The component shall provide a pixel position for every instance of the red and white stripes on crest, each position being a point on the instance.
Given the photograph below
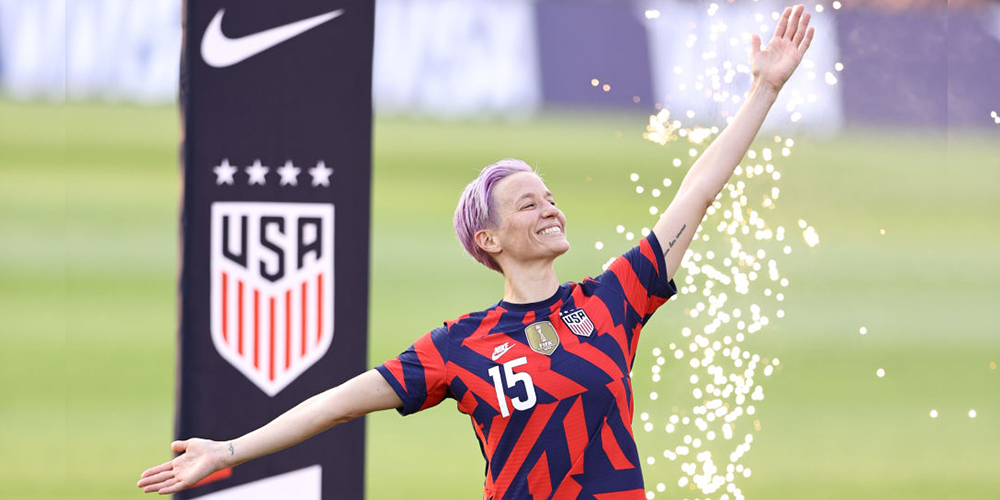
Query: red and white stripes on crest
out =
(269, 330)
(582, 329)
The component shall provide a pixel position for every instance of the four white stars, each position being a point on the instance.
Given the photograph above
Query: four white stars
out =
(257, 173)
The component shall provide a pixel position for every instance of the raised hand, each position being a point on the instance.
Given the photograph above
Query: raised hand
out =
(775, 64)
(198, 459)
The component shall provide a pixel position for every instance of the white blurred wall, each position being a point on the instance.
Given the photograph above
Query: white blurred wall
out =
(438, 57)
(90, 49)
(699, 63)
(445, 58)
(456, 58)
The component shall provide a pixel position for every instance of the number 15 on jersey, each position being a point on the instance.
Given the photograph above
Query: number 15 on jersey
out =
(513, 378)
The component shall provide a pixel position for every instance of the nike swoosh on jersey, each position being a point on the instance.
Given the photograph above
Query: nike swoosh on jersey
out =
(501, 350)
(220, 51)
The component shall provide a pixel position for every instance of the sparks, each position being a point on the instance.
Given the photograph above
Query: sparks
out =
(732, 282)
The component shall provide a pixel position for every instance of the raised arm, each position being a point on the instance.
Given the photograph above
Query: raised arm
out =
(772, 67)
(198, 458)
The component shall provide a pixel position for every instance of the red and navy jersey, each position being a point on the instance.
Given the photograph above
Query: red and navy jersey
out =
(546, 384)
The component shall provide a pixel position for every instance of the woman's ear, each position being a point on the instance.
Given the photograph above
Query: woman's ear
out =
(486, 240)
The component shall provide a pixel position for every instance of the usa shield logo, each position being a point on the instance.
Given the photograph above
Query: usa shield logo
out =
(272, 288)
(578, 322)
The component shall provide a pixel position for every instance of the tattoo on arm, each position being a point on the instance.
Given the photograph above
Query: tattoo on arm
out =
(231, 450)
(673, 241)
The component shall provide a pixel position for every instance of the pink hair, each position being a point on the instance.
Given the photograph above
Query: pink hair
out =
(476, 210)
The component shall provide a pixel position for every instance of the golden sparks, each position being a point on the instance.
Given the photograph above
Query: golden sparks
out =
(811, 237)
(731, 281)
(661, 130)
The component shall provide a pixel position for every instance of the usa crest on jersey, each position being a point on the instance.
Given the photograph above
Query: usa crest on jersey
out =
(272, 288)
(578, 322)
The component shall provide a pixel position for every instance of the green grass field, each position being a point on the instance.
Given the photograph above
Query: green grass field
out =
(88, 265)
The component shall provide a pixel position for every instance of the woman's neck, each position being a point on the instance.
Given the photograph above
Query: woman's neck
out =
(527, 284)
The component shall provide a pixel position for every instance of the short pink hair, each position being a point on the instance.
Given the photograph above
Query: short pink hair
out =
(476, 209)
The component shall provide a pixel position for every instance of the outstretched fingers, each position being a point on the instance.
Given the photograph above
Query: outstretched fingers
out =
(801, 30)
(779, 30)
(154, 471)
(155, 482)
(804, 46)
(793, 23)
(172, 486)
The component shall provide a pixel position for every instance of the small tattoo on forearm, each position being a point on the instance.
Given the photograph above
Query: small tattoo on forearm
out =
(231, 450)
(673, 241)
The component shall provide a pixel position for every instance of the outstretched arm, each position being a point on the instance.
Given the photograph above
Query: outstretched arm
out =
(772, 67)
(198, 458)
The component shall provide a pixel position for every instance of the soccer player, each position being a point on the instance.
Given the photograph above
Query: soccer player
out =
(543, 374)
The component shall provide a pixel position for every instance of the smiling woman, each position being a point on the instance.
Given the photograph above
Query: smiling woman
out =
(544, 373)
(521, 233)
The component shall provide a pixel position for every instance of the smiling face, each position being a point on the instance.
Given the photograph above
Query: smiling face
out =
(529, 226)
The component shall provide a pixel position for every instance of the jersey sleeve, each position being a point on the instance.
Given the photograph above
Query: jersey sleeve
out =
(641, 276)
(418, 375)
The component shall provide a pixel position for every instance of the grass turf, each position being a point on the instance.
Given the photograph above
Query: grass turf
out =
(88, 262)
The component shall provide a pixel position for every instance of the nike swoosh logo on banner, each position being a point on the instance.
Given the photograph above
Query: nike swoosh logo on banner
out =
(220, 51)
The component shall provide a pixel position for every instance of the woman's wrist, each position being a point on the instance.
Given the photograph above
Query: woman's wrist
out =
(227, 454)
(761, 88)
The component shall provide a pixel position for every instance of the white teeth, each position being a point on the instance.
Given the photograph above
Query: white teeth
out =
(550, 230)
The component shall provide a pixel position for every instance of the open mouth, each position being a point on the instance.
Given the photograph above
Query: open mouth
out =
(550, 230)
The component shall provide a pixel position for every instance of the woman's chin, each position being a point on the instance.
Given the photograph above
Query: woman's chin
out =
(561, 247)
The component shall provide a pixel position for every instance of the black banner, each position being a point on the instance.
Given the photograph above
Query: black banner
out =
(274, 279)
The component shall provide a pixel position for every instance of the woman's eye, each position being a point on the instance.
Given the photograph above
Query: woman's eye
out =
(529, 205)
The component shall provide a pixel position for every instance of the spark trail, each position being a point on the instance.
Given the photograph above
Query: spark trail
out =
(731, 283)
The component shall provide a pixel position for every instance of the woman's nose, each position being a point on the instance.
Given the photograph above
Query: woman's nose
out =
(549, 209)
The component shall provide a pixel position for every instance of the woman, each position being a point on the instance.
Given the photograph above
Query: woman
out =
(543, 373)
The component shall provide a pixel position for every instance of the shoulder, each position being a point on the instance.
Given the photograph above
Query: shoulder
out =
(468, 324)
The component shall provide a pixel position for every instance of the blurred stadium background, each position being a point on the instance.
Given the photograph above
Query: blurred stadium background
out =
(897, 165)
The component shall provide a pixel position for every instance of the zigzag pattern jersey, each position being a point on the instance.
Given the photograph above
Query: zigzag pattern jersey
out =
(547, 384)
